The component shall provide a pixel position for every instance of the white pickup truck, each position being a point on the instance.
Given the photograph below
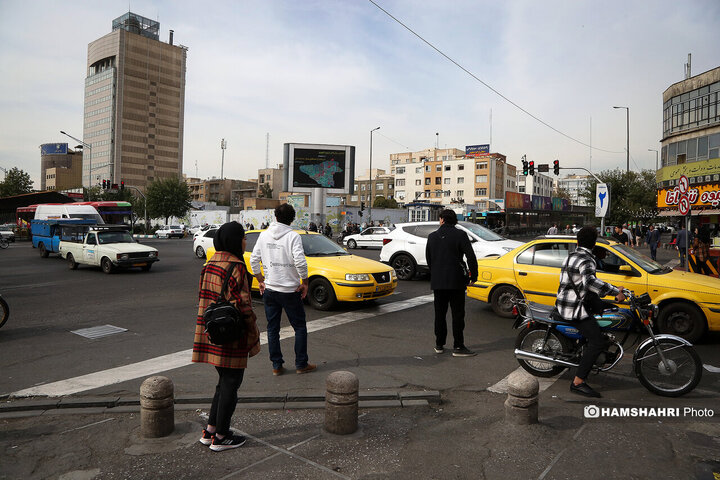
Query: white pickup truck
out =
(108, 248)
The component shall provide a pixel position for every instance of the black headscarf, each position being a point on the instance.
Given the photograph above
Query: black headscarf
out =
(229, 238)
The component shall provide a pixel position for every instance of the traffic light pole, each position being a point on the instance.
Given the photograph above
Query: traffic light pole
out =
(144, 205)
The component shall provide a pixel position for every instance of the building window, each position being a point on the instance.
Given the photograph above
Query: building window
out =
(461, 167)
(521, 189)
(390, 186)
(438, 180)
(400, 170)
(418, 170)
(481, 178)
(461, 180)
(379, 186)
(481, 192)
(400, 182)
(418, 182)
(262, 178)
(481, 165)
(427, 181)
(357, 187)
(447, 181)
(447, 168)
(362, 187)
(428, 168)
(446, 193)
(460, 193)
(438, 168)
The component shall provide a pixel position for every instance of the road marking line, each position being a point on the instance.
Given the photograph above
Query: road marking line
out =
(183, 358)
(545, 383)
(557, 457)
(89, 425)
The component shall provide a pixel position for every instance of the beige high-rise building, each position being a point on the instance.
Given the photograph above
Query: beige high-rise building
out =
(134, 104)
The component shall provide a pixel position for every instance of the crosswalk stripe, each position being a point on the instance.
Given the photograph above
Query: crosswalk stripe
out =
(183, 358)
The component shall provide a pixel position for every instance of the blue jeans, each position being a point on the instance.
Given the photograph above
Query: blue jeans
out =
(275, 302)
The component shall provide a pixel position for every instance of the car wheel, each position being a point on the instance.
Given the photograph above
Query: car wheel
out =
(684, 320)
(321, 294)
(352, 244)
(71, 262)
(43, 251)
(157, 236)
(404, 266)
(200, 252)
(107, 265)
(501, 300)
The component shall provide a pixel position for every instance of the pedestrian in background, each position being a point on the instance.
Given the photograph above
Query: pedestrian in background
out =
(701, 248)
(444, 252)
(230, 360)
(681, 244)
(653, 240)
(283, 286)
(553, 230)
(620, 236)
(628, 235)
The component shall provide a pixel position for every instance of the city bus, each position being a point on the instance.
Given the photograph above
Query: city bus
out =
(113, 213)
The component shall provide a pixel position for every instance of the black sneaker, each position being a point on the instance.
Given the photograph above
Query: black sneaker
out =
(206, 438)
(229, 441)
(584, 389)
(463, 352)
(439, 349)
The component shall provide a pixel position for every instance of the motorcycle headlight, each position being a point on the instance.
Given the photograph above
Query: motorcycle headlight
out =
(357, 277)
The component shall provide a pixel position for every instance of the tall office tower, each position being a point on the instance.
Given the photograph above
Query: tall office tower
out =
(134, 105)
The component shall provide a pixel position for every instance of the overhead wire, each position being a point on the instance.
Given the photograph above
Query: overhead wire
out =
(489, 86)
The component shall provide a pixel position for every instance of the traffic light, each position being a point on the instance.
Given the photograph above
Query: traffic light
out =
(531, 168)
(104, 184)
(525, 167)
(362, 206)
(122, 183)
(556, 167)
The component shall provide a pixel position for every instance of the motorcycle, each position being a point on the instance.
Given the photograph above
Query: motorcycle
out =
(4, 311)
(666, 365)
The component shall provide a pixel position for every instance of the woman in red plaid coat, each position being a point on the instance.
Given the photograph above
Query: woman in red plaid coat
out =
(229, 360)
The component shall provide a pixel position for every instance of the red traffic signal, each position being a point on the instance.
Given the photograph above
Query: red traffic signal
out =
(531, 166)
(122, 185)
(556, 167)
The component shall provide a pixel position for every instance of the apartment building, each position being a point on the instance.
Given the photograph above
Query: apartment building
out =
(60, 167)
(371, 185)
(134, 105)
(538, 184)
(214, 190)
(450, 176)
(273, 177)
(574, 185)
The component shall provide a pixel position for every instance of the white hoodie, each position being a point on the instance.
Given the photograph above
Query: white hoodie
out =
(280, 250)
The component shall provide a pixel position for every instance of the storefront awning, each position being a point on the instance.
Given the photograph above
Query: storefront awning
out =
(669, 213)
(715, 211)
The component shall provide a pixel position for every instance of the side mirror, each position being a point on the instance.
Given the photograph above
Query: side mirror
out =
(627, 270)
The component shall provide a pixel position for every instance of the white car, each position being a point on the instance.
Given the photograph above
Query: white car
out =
(202, 229)
(404, 247)
(370, 237)
(169, 231)
(202, 241)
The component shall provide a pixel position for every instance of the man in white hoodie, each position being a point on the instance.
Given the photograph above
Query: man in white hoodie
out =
(283, 286)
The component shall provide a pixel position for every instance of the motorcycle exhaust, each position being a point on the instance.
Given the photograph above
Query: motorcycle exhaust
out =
(524, 355)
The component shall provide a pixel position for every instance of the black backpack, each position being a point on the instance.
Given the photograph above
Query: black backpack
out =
(223, 322)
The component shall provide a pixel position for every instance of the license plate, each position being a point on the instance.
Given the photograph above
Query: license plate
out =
(139, 264)
(382, 288)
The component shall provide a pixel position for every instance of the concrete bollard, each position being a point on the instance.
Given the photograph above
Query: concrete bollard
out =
(157, 407)
(341, 403)
(521, 406)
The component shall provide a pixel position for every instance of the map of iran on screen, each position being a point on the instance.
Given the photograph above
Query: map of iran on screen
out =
(319, 166)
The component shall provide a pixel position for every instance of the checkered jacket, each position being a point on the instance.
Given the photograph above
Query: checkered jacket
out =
(578, 270)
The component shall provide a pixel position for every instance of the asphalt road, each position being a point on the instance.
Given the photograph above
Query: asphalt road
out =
(387, 343)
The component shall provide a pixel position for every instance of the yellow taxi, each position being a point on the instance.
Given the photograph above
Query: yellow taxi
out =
(689, 303)
(334, 274)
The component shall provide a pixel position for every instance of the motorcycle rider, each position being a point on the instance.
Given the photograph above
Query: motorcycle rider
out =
(577, 279)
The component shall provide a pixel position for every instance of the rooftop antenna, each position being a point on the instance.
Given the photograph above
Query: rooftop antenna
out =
(267, 149)
(491, 126)
(196, 169)
(687, 67)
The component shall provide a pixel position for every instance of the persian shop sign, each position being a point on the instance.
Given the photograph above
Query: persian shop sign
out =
(692, 169)
(704, 195)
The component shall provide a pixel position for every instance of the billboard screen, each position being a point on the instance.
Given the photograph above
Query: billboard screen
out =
(54, 149)
(477, 150)
(311, 166)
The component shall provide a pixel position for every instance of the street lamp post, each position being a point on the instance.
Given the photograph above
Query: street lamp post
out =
(372, 198)
(656, 157)
(89, 147)
(627, 147)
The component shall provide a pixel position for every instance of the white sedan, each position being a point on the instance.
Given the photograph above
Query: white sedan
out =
(203, 241)
(370, 237)
(170, 231)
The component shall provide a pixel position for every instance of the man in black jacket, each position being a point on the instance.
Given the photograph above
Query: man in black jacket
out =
(444, 252)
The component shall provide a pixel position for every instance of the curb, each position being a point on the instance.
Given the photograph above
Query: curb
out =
(87, 405)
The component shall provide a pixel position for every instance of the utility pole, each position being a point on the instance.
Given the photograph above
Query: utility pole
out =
(223, 146)
(370, 202)
(267, 150)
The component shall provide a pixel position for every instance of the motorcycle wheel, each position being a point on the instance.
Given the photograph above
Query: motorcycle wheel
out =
(531, 340)
(4, 312)
(678, 377)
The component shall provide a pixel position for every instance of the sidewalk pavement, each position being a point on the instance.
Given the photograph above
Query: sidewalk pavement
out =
(458, 434)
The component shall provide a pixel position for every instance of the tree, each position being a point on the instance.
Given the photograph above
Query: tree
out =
(169, 197)
(633, 195)
(16, 182)
(562, 193)
(265, 191)
(379, 202)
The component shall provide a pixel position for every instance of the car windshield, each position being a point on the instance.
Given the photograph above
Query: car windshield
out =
(114, 237)
(320, 246)
(481, 232)
(647, 264)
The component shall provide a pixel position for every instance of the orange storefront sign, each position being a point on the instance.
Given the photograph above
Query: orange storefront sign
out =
(700, 196)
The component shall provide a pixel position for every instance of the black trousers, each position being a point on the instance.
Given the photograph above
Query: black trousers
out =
(596, 344)
(456, 300)
(225, 399)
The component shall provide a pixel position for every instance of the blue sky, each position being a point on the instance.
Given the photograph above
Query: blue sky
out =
(324, 71)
